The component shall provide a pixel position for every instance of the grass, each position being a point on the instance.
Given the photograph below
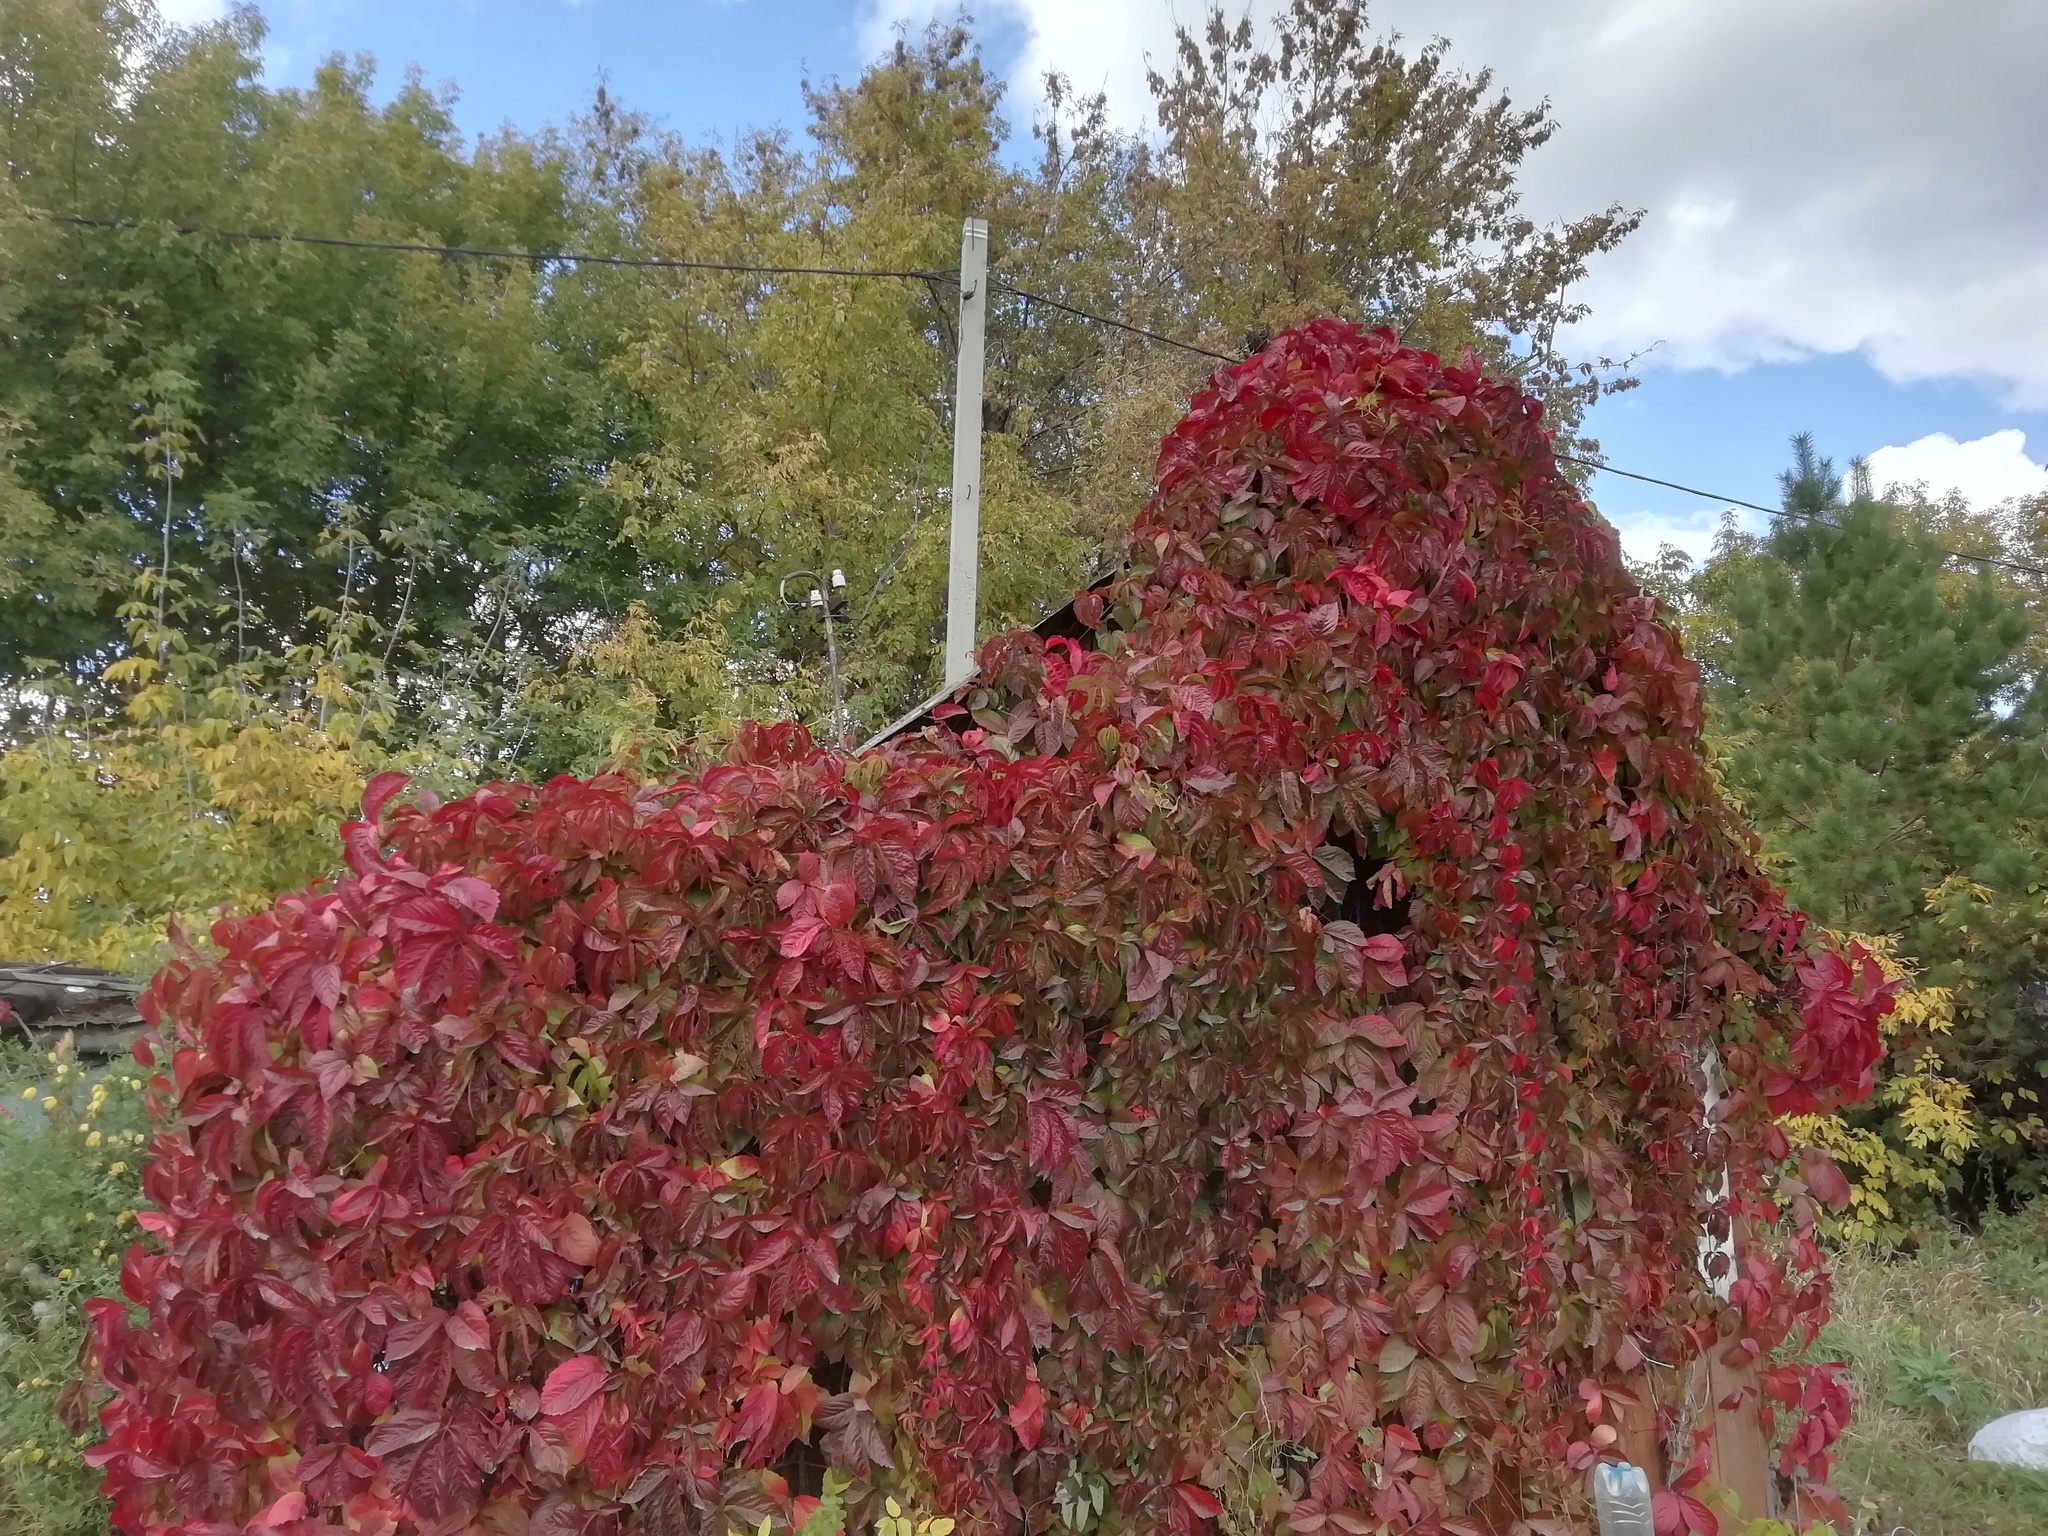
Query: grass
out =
(1938, 1342)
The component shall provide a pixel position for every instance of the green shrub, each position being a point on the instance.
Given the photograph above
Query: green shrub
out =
(70, 1139)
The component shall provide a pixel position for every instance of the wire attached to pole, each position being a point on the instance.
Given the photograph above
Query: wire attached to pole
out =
(494, 253)
(1120, 325)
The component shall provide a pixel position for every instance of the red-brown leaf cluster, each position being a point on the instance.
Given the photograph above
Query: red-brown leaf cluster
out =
(1298, 997)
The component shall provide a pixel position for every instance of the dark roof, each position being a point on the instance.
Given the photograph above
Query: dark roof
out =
(47, 1001)
(1062, 624)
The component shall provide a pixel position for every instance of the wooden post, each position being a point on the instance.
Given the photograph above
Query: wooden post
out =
(1741, 1457)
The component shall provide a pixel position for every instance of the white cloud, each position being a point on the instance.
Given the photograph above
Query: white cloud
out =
(1819, 175)
(188, 13)
(1984, 471)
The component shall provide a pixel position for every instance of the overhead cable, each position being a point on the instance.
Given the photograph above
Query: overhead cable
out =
(1811, 517)
(1120, 325)
(486, 252)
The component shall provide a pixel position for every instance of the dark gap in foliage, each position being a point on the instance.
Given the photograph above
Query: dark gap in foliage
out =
(1983, 1186)
(1091, 1049)
(1291, 1461)
(1357, 903)
(1065, 623)
(804, 1463)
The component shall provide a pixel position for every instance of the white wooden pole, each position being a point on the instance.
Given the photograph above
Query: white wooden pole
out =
(963, 566)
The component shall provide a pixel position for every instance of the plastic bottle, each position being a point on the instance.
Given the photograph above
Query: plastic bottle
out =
(1621, 1499)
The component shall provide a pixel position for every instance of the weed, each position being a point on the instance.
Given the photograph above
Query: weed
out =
(70, 1147)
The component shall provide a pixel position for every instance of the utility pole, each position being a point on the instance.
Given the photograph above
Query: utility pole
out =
(963, 566)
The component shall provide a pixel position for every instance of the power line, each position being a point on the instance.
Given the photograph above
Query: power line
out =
(485, 252)
(591, 258)
(1811, 517)
(677, 264)
(1120, 325)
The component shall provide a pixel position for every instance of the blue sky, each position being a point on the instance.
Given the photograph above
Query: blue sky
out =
(1816, 257)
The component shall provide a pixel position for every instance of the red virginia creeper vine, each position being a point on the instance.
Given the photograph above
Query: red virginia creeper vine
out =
(1296, 994)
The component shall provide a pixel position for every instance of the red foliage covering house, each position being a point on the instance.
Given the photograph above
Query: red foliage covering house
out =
(1268, 1034)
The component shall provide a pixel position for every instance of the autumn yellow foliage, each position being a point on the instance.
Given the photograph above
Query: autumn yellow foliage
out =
(206, 795)
(1925, 1122)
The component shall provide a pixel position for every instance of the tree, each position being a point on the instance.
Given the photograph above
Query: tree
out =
(1879, 722)
(283, 428)
(1872, 707)
(1328, 171)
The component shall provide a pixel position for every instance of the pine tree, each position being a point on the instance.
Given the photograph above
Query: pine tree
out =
(1878, 721)
(1869, 705)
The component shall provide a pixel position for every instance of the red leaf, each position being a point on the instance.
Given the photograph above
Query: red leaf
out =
(479, 896)
(378, 792)
(280, 1511)
(1199, 1499)
(1054, 1138)
(469, 1328)
(1027, 1415)
(1680, 1514)
(576, 1240)
(570, 1384)
(408, 1427)
(798, 937)
(760, 1413)
(1824, 1179)
(1145, 973)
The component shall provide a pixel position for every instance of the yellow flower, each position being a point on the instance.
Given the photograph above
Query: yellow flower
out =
(124, 1218)
(49, 1103)
(63, 1274)
(93, 1140)
(29, 1092)
(117, 1168)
